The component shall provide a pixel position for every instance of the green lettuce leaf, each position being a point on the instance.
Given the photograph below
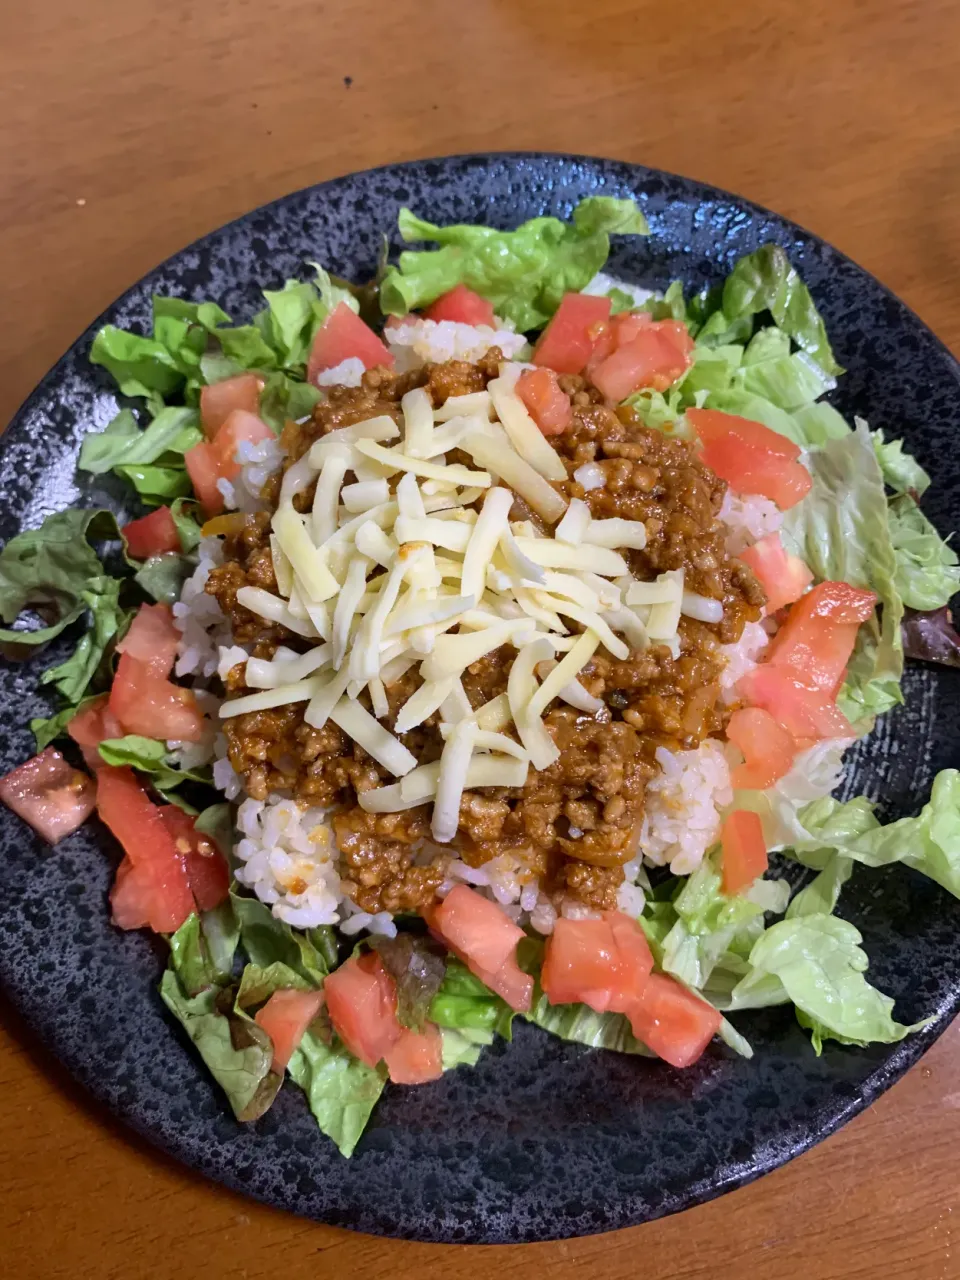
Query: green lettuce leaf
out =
(102, 600)
(818, 961)
(202, 949)
(817, 423)
(140, 366)
(157, 484)
(524, 273)
(47, 728)
(284, 398)
(821, 895)
(257, 985)
(312, 953)
(620, 301)
(464, 1004)
(670, 307)
(462, 1048)
(188, 530)
(769, 343)
(929, 843)
(163, 576)
(341, 1090)
(789, 382)
(765, 281)
(579, 1023)
(235, 1050)
(122, 443)
(927, 573)
(901, 471)
(841, 530)
(149, 756)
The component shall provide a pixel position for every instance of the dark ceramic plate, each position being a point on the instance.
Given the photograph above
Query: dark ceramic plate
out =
(542, 1139)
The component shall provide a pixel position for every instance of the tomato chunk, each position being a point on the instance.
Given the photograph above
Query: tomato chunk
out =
(203, 468)
(219, 400)
(768, 750)
(656, 357)
(151, 535)
(344, 336)
(93, 725)
(153, 887)
(362, 1003)
(548, 406)
(478, 928)
(751, 457)
(601, 963)
(285, 1017)
(784, 577)
(743, 850)
(815, 643)
(50, 794)
(463, 306)
(240, 428)
(509, 982)
(206, 867)
(805, 713)
(417, 1056)
(152, 638)
(672, 1021)
(567, 342)
(152, 706)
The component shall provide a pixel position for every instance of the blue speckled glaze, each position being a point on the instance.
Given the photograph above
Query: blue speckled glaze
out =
(542, 1139)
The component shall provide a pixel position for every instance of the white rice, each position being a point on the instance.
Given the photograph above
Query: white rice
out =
(287, 856)
(681, 821)
(748, 518)
(199, 619)
(416, 342)
(258, 463)
(347, 373)
(742, 657)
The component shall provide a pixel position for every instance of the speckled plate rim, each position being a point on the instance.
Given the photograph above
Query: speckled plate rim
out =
(494, 1229)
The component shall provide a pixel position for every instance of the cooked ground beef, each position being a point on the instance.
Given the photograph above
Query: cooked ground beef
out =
(575, 821)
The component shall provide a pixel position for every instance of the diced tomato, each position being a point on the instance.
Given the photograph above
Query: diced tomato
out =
(152, 638)
(784, 577)
(581, 957)
(548, 405)
(206, 866)
(805, 713)
(50, 794)
(616, 332)
(768, 750)
(96, 723)
(636, 960)
(655, 357)
(203, 468)
(285, 1017)
(509, 982)
(344, 336)
(672, 1021)
(477, 928)
(362, 1003)
(151, 535)
(219, 400)
(568, 340)
(463, 306)
(147, 704)
(417, 1056)
(815, 643)
(743, 850)
(153, 887)
(240, 428)
(602, 963)
(751, 457)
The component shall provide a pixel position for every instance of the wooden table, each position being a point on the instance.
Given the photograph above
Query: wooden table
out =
(132, 128)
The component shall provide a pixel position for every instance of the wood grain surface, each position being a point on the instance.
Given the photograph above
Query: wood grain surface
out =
(131, 128)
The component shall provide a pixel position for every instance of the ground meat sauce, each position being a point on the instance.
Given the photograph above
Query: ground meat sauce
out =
(574, 823)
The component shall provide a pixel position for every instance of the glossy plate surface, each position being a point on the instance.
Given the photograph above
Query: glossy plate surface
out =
(542, 1139)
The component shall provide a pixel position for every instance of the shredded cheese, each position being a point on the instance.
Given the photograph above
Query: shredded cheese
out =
(377, 741)
(432, 471)
(491, 449)
(418, 424)
(524, 434)
(574, 523)
(566, 670)
(283, 694)
(454, 766)
(521, 687)
(364, 494)
(494, 518)
(308, 563)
